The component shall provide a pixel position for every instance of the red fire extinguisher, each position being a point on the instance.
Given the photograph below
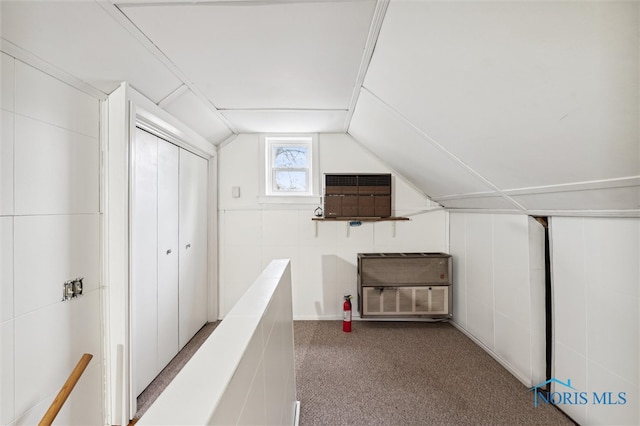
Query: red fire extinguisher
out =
(346, 314)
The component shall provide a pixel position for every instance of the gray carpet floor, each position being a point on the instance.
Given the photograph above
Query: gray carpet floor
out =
(391, 374)
(155, 388)
(406, 373)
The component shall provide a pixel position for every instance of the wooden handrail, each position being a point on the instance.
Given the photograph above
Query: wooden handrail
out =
(66, 389)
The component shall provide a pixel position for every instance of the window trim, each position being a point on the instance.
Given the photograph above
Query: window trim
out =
(271, 145)
(266, 170)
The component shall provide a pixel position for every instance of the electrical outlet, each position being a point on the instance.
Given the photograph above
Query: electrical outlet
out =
(67, 290)
(77, 287)
(72, 288)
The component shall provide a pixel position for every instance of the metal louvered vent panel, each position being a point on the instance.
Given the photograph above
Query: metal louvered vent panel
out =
(422, 300)
(390, 301)
(405, 300)
(438, 300)
(372, 300)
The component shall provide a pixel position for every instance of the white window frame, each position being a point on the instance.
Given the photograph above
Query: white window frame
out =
(267, 194)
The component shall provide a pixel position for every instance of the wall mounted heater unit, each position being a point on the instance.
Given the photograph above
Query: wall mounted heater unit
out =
(404, 285)
(353, 195)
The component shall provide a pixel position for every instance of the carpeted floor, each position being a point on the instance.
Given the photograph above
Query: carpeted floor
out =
(155, 388)
(406, 373)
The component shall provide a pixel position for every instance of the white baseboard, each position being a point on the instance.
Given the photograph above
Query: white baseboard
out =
(524, 380)
(296, 418)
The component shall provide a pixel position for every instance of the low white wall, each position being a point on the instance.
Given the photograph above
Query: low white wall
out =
(244, 373)
(596, 311)
(498, 288)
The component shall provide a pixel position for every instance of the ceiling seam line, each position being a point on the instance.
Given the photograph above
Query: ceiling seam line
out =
(622, 213)
(59, 74)
(443, 149)
(372, 39)
(282, 109)
(167, 100)
(611, 183)
(615, 183)
(119, 16)
(213, 3)
(486, 194)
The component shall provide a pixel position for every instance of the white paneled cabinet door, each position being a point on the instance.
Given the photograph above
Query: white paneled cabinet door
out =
(193, 245)
(144, 260)
(168, 155)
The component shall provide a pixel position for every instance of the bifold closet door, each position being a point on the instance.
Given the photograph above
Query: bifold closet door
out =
(193, 285)
(167, 251)
(144, 259)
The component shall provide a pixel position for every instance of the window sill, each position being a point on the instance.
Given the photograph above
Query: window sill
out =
(291, 199)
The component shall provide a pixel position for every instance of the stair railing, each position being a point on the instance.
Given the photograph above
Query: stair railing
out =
(65, 391)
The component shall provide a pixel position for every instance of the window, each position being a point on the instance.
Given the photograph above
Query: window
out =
(289, 165)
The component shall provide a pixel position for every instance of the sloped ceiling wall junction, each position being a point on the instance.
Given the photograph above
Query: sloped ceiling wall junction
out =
(516, 106)
(513, 106)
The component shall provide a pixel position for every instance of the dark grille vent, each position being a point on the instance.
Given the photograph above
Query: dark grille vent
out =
(341, 180)
(374, 180)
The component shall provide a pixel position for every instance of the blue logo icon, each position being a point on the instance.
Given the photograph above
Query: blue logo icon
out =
(566, 394)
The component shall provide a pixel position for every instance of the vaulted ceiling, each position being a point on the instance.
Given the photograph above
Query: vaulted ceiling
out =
(519, 106)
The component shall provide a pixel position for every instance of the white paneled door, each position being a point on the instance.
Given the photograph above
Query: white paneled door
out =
(193, 244)
(169, 252)
(144, 261)
(168, 155)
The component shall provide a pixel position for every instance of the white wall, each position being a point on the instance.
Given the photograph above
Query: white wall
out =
(498, 291)
(252, 380)
(49, 233)
(323, 264)
(596, 282)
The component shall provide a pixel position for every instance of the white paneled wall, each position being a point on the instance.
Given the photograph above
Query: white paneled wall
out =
(43, 151)
(323, 255)
(6, 161)
(49, 250)
(49, 233)
(496, 291)
(596, 312)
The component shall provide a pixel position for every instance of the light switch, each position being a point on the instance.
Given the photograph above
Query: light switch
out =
(235, 191)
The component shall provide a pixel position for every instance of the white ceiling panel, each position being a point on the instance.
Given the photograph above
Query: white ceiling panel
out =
(263, 55)
(626, 198)
(293, 121)
(525, 93)
(80, 38)
(409, 153)
(195, 114)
